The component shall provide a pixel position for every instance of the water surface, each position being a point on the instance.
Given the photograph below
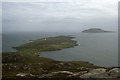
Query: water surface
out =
(97, 48)
(100, 49)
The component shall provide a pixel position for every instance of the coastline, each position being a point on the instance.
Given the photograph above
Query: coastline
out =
(27, 62)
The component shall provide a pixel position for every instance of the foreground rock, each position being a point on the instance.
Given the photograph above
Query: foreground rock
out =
(102, 73)
(94, 73)
(21, 74)
(115, 72)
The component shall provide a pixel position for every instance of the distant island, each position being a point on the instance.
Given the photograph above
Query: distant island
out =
(95, 30)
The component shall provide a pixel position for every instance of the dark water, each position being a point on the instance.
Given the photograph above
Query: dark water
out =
(100, 48)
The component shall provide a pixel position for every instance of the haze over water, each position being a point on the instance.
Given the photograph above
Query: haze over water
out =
(24, 21)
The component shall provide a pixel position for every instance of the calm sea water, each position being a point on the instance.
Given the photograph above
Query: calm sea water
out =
(100, 48)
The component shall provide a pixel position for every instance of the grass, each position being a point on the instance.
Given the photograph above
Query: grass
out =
(46, 44)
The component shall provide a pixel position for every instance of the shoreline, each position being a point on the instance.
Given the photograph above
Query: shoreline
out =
(25, 63)
(71, 38)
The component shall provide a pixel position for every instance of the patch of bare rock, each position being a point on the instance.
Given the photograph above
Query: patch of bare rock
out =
(102, 73)
(94, 73)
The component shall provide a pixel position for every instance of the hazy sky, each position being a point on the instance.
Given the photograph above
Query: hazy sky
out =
(59, 15)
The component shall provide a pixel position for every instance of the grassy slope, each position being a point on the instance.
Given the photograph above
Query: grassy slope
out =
(42, 45)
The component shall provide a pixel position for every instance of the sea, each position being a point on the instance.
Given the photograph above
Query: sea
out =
(100, 49)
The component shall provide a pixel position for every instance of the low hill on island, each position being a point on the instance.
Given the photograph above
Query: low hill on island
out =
(95, 30)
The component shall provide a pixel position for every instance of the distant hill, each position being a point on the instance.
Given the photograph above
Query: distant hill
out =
(95, 30)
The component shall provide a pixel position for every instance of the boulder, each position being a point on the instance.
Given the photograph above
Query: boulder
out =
(115, 72)
(95, 73)
(98, 71)
(21, 74)
(63, 72)
(55, 73)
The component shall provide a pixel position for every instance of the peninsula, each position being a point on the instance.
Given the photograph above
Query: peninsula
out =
(46, 44)
(25, 62)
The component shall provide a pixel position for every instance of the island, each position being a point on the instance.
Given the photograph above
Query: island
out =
(25, 62)
(95, 30)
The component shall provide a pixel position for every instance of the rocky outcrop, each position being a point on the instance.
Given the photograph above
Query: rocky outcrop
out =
(115, 72)
(94, 73)
(64, 74)
(102, 73)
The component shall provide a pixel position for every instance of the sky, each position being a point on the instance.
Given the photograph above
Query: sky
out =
(59, 15)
